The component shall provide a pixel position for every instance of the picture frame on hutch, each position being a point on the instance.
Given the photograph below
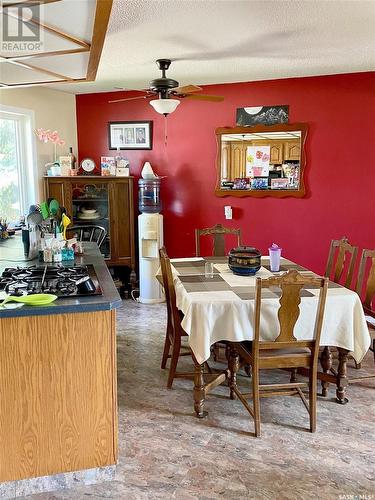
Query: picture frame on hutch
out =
(130, 135)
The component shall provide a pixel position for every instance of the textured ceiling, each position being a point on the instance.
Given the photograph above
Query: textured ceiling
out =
(219, 41)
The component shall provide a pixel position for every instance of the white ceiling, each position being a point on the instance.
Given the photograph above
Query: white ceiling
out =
(220, 41)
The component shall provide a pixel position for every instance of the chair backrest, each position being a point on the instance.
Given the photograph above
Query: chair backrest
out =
(366, 280)
(341, 261)
(169, 290)
(218, 233)
(93, 233)
(291, 284)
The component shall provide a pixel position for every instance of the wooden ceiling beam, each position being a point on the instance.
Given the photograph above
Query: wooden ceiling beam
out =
(46, 54)
(35, 84)
(102, 14)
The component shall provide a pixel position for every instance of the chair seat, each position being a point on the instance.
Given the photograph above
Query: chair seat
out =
(247, 344)
(275, 358)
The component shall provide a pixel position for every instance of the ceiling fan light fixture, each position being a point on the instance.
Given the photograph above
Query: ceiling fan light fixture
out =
(164, 106)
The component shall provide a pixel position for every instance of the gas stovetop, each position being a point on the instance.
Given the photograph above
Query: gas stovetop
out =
(63, 281)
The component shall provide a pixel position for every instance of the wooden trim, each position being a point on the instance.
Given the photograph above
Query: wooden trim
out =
(41, 70)
(34, 84)
(114, 386)
(46, 54)
(102, 13)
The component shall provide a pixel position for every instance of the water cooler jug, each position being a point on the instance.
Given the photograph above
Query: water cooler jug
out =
(150, 234)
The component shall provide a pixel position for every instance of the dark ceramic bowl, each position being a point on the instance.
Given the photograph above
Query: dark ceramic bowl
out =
(244, 261)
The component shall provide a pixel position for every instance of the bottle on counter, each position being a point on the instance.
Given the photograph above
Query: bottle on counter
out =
(47, 255)
(67, 252)
(72, 159)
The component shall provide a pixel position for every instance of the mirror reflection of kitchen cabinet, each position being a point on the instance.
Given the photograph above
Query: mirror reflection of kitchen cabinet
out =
(225, 161)
(276, 153)
(264, 160)
(292, 150)
(237, 160)
(103, 201)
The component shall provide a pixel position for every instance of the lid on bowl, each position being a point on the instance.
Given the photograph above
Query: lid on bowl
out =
(244, 251)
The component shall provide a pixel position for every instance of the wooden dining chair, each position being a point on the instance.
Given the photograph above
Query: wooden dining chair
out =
(285, 351)
(366, 290)
(88, 232)
(218, 233)
(341, 261)
(175, 332)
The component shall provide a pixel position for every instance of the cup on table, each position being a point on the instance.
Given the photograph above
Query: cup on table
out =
(275, 255)
(208, 270)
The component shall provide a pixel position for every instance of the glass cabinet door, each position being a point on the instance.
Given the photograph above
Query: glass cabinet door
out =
(90, 205)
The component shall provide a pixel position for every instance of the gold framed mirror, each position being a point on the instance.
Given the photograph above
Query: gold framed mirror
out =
(261, 161)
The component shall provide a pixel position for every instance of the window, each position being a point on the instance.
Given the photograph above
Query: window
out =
(17, 171)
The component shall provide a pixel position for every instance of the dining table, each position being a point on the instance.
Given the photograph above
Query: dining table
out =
(219, 307)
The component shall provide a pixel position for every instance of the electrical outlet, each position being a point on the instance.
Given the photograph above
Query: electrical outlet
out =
(228, 212)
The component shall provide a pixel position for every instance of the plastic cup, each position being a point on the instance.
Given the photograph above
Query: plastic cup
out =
(275, 259)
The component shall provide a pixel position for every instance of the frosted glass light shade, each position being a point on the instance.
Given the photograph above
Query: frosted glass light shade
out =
(164, 106)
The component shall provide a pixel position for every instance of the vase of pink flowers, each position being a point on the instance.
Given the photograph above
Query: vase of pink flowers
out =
(50, 136)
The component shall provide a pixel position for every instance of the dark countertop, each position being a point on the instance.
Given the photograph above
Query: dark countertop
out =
(11, 254)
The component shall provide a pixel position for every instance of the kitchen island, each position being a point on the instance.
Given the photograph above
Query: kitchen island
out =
(58, 405)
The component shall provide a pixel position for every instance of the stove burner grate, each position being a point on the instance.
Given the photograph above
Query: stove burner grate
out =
(60, 280)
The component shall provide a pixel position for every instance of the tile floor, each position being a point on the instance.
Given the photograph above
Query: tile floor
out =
(166, 453)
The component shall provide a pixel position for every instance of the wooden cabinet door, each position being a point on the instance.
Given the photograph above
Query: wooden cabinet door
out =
(60, 190)
(237, 157)
(292, 150)
(276, 153)
(121, 222)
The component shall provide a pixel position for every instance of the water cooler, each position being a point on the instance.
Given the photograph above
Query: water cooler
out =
(150, 235)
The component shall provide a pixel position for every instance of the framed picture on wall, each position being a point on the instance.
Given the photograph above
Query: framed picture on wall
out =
(130, 135)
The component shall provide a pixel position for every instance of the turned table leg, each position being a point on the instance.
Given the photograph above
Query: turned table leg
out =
(199, 390)
(234, 366)
(342, 379)
(326, 362)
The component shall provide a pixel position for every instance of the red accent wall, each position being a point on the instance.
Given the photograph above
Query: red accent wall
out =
(340, 175)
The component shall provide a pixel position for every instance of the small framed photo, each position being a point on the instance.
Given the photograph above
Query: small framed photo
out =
(108, 165)
(281, 183)
(130, 135)
(65, 164)
(241, 183)
(259, 183)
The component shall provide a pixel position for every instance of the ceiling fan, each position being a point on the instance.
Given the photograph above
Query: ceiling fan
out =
(168, 92)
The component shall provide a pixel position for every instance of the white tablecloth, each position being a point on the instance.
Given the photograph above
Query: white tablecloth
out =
(211, 316)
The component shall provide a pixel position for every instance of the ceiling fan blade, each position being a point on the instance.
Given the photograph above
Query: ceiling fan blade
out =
(130, 98)
(188, 89)
(205, 97)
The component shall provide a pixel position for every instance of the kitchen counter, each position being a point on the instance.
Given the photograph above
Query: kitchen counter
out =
(12, 251)
(58, 405)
